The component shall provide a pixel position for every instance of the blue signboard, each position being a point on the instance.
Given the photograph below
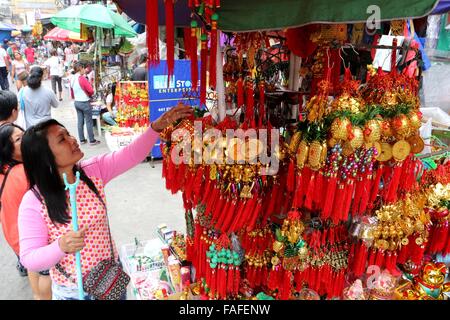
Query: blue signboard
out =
(163, 96)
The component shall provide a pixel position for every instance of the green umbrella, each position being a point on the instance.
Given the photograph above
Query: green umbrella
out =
(92, 15)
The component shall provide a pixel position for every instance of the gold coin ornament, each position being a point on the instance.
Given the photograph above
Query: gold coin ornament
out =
(386, 152)
(401, 150)
(417, 144)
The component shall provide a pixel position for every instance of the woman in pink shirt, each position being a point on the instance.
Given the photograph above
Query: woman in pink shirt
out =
(14, 188)
(45, 231)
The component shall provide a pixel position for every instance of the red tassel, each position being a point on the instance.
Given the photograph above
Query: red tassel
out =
(164, 168)
(240, 93)
(152, 31)
(287, 288)
(365, 196)
(272, 282)
(231, 214)
(380, 258)
(255, 214)
(372, 256)
(237, 280)
(213, 52)
(348, 199)
(404, 254)
(207, 193)
(319, 191)
(329, 197)
(375, 186)
(272, 201)
(223, 212)
(393, 186)
(246, 213)
(446, 251)
(170, 39)
(238, 216)
(310, 192)
(358, 193)
(298, 186)
(212, 200)
(338, 203)
(291, 177)
(213, 282)
(193, 55)
(203, 68)
(217, 211)
(227, 224)
(261, 87)
(187, 42)
(198, 184)
(440, 237)
(250, 104)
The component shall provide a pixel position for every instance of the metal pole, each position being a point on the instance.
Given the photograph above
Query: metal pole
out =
(220, 87)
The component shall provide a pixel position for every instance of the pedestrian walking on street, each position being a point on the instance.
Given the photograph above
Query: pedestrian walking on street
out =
(82, 92)
(19, 65)
(30, 53)
(56, 68)
(8, 107)
(4, 69)
(38, 100)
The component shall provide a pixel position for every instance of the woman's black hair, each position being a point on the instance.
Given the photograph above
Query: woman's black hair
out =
(7, 146)
(8, 103)
(42, 171)
(35, 78)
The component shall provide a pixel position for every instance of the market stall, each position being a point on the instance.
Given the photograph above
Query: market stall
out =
(334, 196)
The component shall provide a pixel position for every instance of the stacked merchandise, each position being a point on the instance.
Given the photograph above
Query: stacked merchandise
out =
(132, 105)
(342, 194)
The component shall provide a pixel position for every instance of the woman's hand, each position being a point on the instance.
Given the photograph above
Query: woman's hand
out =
(181, 111)
(73, 241)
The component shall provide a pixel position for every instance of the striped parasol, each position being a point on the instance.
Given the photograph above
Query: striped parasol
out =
(58, 34)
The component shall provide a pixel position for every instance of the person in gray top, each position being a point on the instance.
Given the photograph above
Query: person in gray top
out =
(37, 99)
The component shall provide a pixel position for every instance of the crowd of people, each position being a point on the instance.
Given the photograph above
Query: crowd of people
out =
(35, 150)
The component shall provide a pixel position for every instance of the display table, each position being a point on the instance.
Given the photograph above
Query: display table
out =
(116, 141)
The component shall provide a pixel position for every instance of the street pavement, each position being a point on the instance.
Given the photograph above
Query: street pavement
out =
(137, 203)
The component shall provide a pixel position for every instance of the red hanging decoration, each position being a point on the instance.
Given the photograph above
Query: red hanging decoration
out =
(291, 176)
(152, 31)
(338, 203)
(187, 41)
(170, 39)
(193, 55)
(393, 186)
(213, 51)
(203, 68)
(261, 87)
(250, 104)
(310, 191)
(240, 92)
(329, 196)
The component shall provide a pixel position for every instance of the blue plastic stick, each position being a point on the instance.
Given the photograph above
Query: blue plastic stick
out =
(73, 204)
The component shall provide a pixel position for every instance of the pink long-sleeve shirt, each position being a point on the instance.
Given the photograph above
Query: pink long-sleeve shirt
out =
(37, 253)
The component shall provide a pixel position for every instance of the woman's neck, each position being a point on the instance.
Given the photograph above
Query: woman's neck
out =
(69, 172)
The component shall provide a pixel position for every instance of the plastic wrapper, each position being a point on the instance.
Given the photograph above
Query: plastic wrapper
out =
(436, 86)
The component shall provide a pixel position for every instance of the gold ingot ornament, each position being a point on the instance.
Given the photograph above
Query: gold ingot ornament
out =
(417, 144)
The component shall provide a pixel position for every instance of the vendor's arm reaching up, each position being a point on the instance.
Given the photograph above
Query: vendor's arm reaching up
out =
(49, 151)
(110, 165)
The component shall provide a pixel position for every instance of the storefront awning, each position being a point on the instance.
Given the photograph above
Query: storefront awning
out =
(248, 15)
(238, 15)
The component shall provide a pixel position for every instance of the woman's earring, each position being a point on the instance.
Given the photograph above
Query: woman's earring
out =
(51, 170)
